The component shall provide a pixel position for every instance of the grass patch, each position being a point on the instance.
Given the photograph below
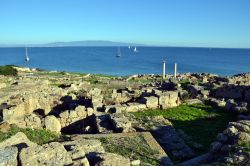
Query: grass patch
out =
(134, 148)
(92, 79)
(247, 146)
(39, 136)
(143, 80)
(184, 83)
(201, 122)
(75, 73)
(96, 79)
(181, 113)
(8, 70)
(103, 75)
(47, 73)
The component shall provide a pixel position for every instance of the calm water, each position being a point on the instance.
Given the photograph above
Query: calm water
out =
(102, 60)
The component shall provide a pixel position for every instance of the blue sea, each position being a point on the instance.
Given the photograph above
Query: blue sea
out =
(103, 60)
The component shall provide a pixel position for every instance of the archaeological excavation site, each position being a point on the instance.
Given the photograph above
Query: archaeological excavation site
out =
(61, 118)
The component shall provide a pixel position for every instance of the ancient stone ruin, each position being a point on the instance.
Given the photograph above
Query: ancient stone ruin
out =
(76, 107)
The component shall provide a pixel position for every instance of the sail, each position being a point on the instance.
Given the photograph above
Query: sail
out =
(119, 54)
(135, 50)
(26, 55)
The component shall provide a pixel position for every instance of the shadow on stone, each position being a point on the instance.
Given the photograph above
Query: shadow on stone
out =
(67, 103)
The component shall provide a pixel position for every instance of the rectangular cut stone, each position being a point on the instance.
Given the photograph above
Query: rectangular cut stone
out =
(169, 99)
(151, 102)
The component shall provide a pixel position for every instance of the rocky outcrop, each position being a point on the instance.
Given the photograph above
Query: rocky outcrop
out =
(135, 107)
(8, 156)
(121, 123)
(108, 159)
(32, 121)
(89, 146)
(240, 107)
(193, 101)
(110, 123)
(78, 156)
(90, 111)
(230, 105)
(172, 143)
(2, 85)
(5, 127)
(96, 97)
(24, 106)
(121, 97)
(29, 102)
(166, 136)
(169, 99)
(240, 93)
(194, 90)
(13, 114)
(151, 102)
(227, 149)
(18, 150)
(116, 108)
(128, 107)
(19, 140)
(247, 95)
(228, 146)
(69, 117)
(103, 123)
(160, 99)
(52, 124)
(49, 154)
(217, 103)
(241, 79)
(47, 101)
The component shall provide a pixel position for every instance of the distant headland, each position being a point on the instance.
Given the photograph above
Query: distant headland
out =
(84, 43)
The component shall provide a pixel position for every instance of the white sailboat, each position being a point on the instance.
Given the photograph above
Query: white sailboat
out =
(119, 54)
(128, 47)
(27, 59)
(135, 50)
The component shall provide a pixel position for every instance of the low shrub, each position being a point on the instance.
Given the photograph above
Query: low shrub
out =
(39, 136)
(8, 70)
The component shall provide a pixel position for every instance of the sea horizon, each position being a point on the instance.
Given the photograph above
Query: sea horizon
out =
(213, 47)
(102, 60)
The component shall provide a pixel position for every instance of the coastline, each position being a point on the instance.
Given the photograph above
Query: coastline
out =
(95, 60)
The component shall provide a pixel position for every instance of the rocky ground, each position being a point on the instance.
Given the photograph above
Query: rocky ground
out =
(56, 118)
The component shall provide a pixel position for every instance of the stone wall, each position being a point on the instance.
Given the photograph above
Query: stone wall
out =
(169, 99)
(228, 146)
(27, 105)
(68, 117)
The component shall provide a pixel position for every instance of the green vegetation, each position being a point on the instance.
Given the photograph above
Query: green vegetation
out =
(247, 146)
(181, 113)
(102, 75)
(73, 73)
(47, 73)
(143, 80)
(135, 148)
(93, 79)
(201, 122)
(8, 70)
(39, 136)
(184, 82)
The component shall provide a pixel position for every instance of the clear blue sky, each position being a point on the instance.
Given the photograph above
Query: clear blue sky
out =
(211, 23)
